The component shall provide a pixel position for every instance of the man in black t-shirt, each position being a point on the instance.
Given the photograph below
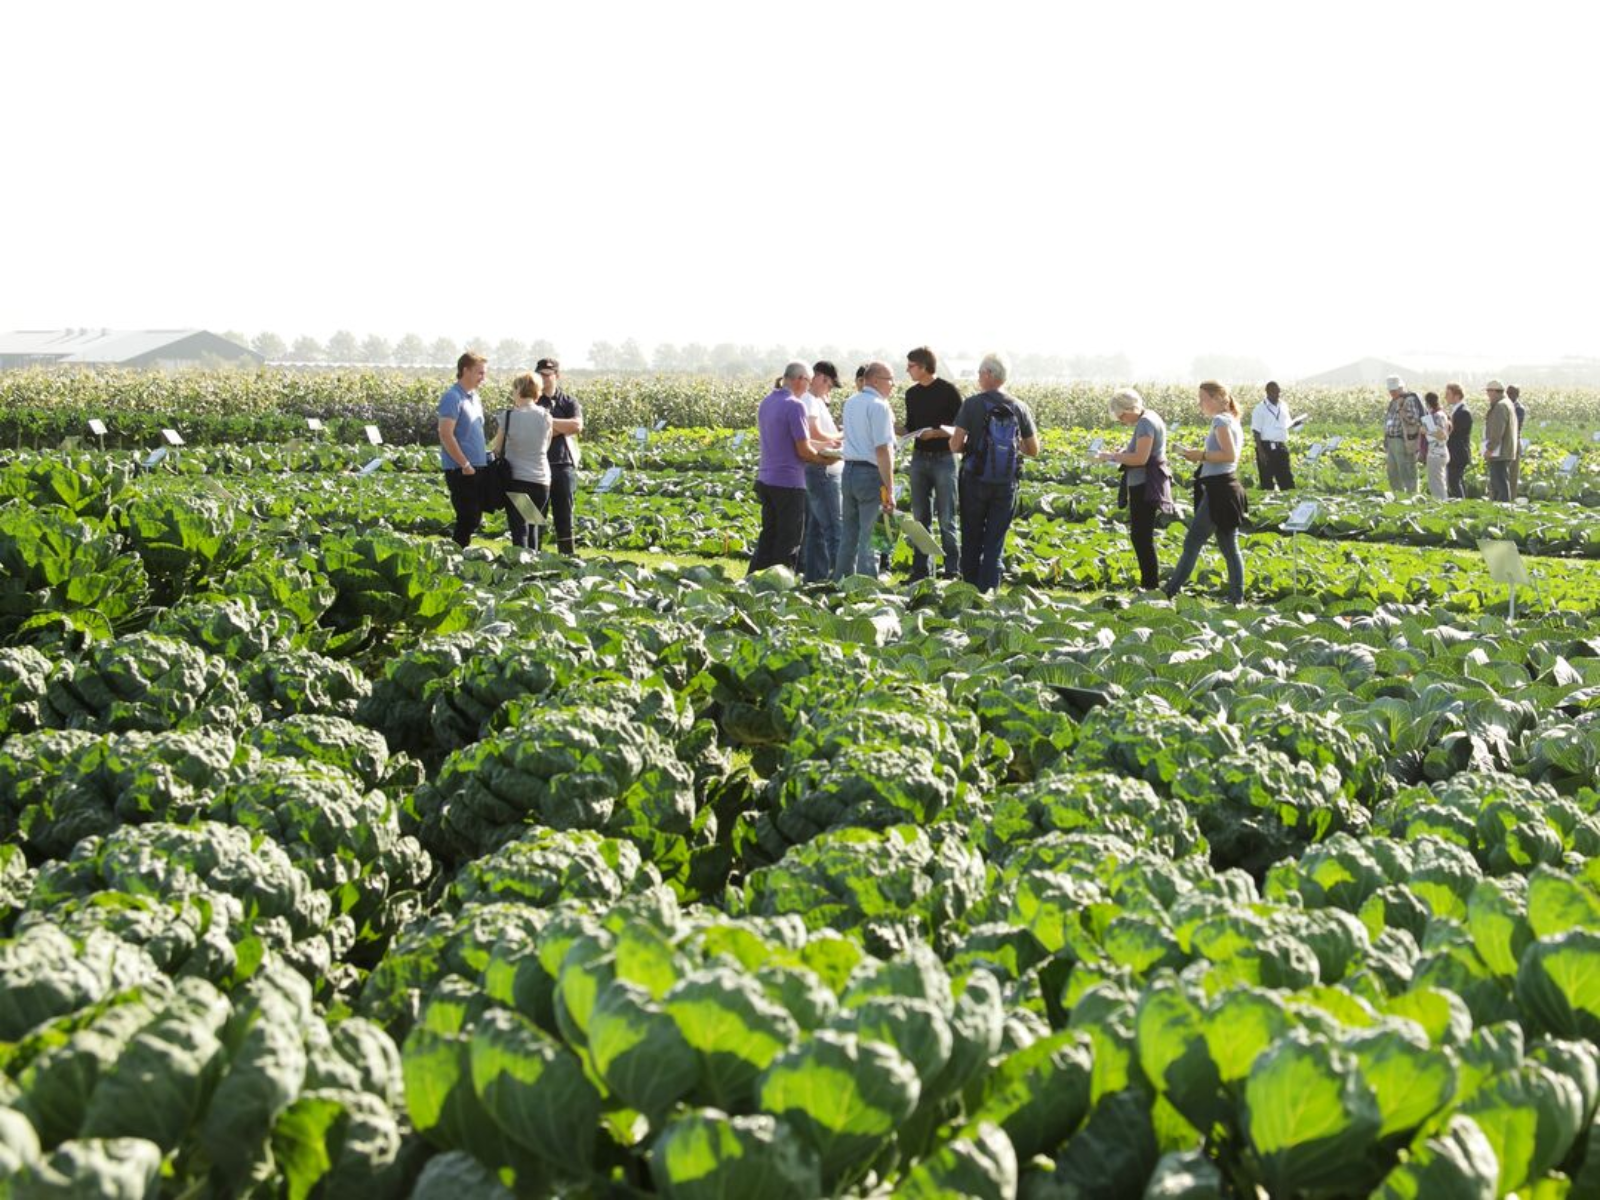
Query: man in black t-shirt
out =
(931, 407)
(566, 422)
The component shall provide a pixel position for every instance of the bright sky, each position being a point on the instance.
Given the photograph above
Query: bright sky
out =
(1303, 184)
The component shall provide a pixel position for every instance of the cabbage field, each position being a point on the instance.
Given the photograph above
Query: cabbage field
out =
(337, 862)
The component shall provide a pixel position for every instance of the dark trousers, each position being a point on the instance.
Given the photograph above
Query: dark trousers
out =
(522, 534)
(1272, 467)
(1142, 533)
(986, 510)
(783, 527)
(466, 497)
(1500, 480)
(933, 492)
(1454, 478)
(560, 510)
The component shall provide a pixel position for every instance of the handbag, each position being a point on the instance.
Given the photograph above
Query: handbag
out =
(497, 478)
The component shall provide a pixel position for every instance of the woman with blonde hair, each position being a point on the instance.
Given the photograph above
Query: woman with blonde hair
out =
(1219, 503)
(524, 441)
(1145, 480)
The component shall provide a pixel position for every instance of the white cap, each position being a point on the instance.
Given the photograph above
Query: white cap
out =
(1395, 384)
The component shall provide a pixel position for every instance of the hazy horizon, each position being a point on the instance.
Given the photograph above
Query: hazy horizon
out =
(1297, 187)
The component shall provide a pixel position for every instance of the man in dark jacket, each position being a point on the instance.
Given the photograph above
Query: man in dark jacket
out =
(1514, 394)
(1460, 440)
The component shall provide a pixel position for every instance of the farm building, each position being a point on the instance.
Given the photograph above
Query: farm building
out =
(148, 349)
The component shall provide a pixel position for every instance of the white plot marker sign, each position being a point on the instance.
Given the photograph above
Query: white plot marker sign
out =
(373, 435)
(524, 504)
(314, 424)
(172, 436)
(155, 458)
(97, 427)
(372, 466)
(1505, 565)
(609, 479)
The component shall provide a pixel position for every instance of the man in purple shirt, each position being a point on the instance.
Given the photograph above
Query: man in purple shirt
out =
(781, 476)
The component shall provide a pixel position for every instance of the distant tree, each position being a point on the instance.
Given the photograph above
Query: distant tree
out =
(376, 350)
(410, 350)
(630, 356)
(666, 358)
(269, 345)
(603, 356)
(343, 347)
(509, 353)
(237, 338)
(444, 351)
(542, 348)
(306, 349)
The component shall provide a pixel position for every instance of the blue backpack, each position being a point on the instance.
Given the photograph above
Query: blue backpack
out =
(998, 457)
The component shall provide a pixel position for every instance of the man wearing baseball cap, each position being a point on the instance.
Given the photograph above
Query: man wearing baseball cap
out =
(1402, 426)
(1500, 434)
(566, 423)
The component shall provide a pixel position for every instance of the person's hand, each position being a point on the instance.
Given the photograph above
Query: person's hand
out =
(1194, 455)
(469, 469)
(1106, 456)
(886, 498)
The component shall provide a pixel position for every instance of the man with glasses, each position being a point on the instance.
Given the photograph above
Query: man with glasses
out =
(566, 422)
(931, 407)
(868, 469)
(786, 447)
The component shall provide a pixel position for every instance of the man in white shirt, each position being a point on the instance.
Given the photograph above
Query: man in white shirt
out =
(868, 469)
(1269, 424)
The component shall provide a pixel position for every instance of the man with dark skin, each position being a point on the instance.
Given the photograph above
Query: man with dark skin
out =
(1269, 426)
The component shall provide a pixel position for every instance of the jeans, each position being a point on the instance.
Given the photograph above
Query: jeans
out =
(1200, 531)
(862, 504)
(821, 546)
(933, 492)
(1142, 533)
(1500, 480)
(783, 524)
(523, 534)
(1455, 478)
(466, 497)
(561, 506)
(1402, 465)
(986, 510)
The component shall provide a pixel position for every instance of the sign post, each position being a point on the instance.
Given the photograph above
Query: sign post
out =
(374, 436)
(1299, 522)
(1505, 565)
(98, 428)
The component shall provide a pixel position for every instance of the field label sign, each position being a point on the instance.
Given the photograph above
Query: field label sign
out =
(172, 437)
(1336, 441)
(1300, 519)
(1097, 445)
(524, 504)
(1504, 561)
(314, 424)
(1315, 452)
(1569, 465)
(609, 479)
(156, 458)
(373, 435)
(97, 427)
(660, 425)
(641, 435)
(738, 440)
(372, 466)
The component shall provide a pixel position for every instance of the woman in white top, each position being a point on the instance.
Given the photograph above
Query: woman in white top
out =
(1436, 434)
(524, 442)
(1219, 500)
(824, 498)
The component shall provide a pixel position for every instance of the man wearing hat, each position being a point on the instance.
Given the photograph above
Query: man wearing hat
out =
(1402, 426)
(566, 423)
(1500, 434)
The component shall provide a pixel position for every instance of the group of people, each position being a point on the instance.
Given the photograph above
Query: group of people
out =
(824, 485)
(1438, 435)
(534, 452)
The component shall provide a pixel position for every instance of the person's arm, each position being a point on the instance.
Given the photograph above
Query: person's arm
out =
(934, 432)
(958, 439)
(1029, 431)
(1137, 457)
(499, 437)
(818, 438)
(452, 448)
(807, 451)
(886, 475)
(567, 426)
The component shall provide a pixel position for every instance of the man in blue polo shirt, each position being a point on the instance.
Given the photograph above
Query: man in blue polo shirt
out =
(462, 452)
